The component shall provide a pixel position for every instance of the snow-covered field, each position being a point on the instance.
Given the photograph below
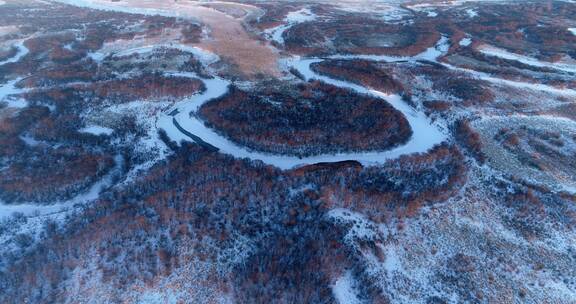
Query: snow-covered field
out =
(555, 178)
(470, 247)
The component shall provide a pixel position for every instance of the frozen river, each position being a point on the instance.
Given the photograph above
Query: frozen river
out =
(425, 133)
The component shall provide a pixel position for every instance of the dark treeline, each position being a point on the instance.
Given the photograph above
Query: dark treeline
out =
(306, 119)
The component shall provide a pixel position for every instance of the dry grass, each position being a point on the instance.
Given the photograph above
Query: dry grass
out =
(227, 36)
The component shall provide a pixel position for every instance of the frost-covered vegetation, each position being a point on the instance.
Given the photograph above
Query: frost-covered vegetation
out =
(306, 119)
(422, 153)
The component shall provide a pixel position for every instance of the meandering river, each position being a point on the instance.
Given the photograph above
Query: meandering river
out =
(425, 133)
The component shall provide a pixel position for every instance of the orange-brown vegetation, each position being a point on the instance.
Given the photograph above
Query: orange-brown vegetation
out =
(148, 86)
(518, 29)
(363, 72)
(307, 119)
(42, 173)
(437, 105)
(228, 37)
(52, 174)
(399, 187)
(354, 35)
(141, 234)
(470, 139)
(470, 91)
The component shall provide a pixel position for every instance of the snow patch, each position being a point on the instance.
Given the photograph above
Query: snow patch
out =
(7, 92)
(30, 141)
(435, 52)
(96, 56)
(391, 260)
(96, 130)
(471, 13)
(465, 42)
(344, 290)
(360, 227)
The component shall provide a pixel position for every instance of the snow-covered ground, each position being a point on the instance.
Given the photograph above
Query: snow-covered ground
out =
(344, 290)
(504, 54)
(293, 18)
(7, 92)
(9, 89)
(471, 13)
(149, 145)
(465, 41)
(204, 56)
(555, 178)
(361, 228)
